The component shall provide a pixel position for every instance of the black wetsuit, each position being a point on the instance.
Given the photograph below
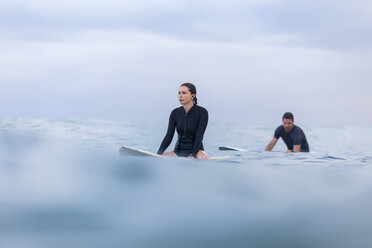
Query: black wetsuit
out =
(190, 128)
(295, 137)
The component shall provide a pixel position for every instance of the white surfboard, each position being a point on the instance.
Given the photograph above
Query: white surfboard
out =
(230, 148)
(130, 151)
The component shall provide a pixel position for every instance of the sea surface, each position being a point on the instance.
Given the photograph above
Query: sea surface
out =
(64, 184)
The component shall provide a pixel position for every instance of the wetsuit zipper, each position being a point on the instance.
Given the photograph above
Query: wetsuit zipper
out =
(185, 123)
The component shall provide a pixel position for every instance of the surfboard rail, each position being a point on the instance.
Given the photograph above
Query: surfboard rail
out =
(130, 151)
(230, 148)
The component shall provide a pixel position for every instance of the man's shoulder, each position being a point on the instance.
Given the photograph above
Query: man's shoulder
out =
(297, 132)
(297, 129)
(279, 129)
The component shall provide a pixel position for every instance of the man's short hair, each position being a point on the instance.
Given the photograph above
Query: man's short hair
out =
(288, 115)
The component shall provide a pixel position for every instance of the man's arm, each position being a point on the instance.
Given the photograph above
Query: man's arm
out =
(296, 148)
(297, 138)
(271, 145)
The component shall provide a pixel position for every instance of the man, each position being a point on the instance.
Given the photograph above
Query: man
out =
(292, 135)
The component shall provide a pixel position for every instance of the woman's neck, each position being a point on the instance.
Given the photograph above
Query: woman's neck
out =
(188, 106)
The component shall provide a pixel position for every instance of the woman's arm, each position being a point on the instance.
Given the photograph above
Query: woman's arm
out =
(203, 122)
(169, 136)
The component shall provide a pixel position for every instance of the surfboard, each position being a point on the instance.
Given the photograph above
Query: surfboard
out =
(230, 148)
(130, 151)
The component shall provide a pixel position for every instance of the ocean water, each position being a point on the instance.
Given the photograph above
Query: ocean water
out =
(63, 184)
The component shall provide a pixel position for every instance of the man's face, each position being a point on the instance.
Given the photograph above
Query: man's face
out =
(288, 125)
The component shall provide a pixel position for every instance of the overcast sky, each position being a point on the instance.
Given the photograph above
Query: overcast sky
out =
(251, 60)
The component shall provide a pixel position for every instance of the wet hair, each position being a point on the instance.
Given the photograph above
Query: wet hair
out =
(192, 90)
(288, 115)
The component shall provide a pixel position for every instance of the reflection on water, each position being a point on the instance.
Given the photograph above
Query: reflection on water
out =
(63, 184)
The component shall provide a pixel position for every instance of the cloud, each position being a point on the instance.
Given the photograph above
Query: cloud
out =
(332, 25)
(246, 58)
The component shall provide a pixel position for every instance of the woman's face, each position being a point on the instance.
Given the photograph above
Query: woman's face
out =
(185, 96)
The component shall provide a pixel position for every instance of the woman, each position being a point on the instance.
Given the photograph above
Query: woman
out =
(190, 120)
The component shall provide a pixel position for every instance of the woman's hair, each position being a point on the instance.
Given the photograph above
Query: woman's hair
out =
(192, 90)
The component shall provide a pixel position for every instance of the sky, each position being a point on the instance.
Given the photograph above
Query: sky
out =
(250, 60)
